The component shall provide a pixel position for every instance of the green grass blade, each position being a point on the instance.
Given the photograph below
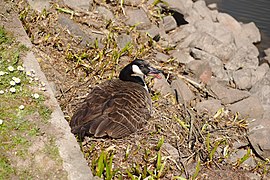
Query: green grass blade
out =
(158, 160)
(100, 165)
(160, 143)
(197, 170)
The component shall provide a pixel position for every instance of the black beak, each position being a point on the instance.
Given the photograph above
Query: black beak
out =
(153, 71)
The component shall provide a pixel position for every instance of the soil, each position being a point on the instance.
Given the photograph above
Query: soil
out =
(73, 69)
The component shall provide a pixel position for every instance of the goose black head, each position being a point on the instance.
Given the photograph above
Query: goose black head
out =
(137, 70)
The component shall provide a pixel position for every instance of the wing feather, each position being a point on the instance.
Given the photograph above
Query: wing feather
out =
(114, 108)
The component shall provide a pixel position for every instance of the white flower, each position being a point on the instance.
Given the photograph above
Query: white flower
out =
(12, 83)
(2, 92)
(42, 84)
(10, 68)
(21, 107)
(20, 68)
(13, 90)
(30, 80)
(1, 121)
(28, 73)
(36, 96)
(2, 73)
(43, 88)
(36, 78)
(17, 80)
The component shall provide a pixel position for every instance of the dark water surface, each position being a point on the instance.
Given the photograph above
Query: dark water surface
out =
(257, 11)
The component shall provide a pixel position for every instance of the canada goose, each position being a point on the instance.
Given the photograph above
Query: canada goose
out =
(118, 107)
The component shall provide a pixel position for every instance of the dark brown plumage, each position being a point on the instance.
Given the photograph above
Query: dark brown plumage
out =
(116, 108)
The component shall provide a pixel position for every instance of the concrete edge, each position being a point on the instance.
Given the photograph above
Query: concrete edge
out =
(73, 161)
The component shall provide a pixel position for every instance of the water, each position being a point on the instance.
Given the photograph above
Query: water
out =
(257, 11)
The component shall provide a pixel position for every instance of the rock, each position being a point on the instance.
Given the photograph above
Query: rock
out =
(201, 8)
(208, 43)
(212, 6)
(170, 151)
(181, 6)
(225, 94)
(162, 86)
(153, 32)
(39, 5)
(229, 22)
(267, 52)
(234, 157)
(250, 107)
(106, 13)
(84, 38)
(181, 33)
(169, 23)
(223, 34)
(161, 57)
(82, 5)
(132, 2)
(214, 14)
(181, 56)
(259, 135)
(260, 72)
(253, 176)
(206, 74)
(251, 31)
(245, 57)
(243, 78)
(214, 62)
(262, 90)
(201, 70)
(184, 94)
(217, 30)
(205, 25)
(210, 106)
(93, 23)
(246, 78)
(123, 40)
(139, 18)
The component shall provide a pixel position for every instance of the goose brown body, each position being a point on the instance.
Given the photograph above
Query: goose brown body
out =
(115, 108)
(118, 107)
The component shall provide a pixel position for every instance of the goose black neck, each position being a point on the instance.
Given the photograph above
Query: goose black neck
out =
(126, 75)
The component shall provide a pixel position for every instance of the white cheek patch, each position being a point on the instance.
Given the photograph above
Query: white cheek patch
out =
(136, 70)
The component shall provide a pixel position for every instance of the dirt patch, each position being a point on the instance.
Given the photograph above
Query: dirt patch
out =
(42, 157)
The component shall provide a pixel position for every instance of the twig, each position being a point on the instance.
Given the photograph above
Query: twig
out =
(197, 85)
(122, 7)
